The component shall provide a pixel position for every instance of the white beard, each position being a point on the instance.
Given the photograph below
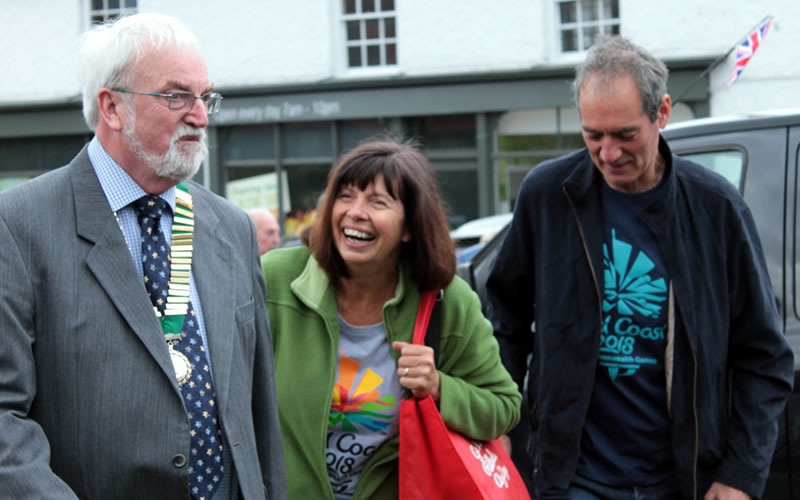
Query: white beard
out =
(180, 162)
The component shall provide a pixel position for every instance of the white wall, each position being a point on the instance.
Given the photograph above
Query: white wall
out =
(257, 42)
(711, 27)
(771, 79)
(273, 42)
(468, 35)
(38, 50)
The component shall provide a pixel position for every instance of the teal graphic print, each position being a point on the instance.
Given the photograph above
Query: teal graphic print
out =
(632, 306)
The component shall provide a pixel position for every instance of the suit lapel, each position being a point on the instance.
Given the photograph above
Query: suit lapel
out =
(213, 274)
(109, 261)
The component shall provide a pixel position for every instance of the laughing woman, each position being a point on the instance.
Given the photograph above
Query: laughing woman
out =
(342, 315)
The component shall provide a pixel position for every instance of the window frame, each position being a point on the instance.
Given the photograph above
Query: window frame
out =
(363, 43)
(109, 13)
(603, 24)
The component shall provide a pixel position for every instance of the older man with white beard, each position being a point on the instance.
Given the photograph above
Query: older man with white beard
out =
(135, 354)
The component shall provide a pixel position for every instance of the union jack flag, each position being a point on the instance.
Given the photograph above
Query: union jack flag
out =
(748, 47)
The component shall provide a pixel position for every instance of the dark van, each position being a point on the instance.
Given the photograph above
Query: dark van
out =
(760, 154)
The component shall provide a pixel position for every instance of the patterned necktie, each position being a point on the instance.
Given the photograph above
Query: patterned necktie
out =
(205, 463)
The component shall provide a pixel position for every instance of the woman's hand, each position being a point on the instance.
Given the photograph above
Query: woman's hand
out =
(417, 369)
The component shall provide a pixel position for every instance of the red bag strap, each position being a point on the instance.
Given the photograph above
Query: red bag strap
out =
(426, 302)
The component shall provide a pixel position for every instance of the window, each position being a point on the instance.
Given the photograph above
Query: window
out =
(518, 154)
(253, 143)
(445, 132)
(458, 182)
(728, 163)
(283, 168)
(526, 138)
(580, 21)
(352, 132)
(106, 10)
(370, 33)
(450, 143)
(29, 156)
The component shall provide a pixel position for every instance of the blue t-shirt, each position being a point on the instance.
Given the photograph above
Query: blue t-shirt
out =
(627, 435)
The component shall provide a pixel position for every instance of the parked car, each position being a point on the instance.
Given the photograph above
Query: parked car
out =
(471, 236)
(479, 230)
(758, 153)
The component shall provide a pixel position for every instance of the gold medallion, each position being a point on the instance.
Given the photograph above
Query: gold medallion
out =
(181, 364)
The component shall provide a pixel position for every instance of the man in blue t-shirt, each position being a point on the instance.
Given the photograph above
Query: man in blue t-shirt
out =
(632, 292)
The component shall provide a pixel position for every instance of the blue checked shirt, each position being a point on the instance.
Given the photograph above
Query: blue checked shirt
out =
(121, 190)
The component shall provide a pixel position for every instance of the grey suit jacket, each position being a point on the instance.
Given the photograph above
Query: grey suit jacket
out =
(89, 406)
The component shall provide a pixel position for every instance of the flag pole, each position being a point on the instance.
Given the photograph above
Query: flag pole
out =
(717, 61)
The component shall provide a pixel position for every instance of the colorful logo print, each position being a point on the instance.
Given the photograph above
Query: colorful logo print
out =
(362, 406)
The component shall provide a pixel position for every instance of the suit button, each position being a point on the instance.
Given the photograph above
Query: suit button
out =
(179, 460)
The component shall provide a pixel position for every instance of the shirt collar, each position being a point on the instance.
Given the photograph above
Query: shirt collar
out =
(120, 189)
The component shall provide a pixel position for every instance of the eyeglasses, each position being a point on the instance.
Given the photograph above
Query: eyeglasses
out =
(179, 101)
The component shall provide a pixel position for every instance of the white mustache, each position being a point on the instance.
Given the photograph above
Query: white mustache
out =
(189, 131)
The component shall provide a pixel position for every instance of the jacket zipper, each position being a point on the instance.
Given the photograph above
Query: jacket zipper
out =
(694, 410)
(597, 290)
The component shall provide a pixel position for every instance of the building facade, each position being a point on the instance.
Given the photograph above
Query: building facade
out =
(483, 86)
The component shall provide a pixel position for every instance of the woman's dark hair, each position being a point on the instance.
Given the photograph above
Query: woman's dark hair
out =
(410, 179)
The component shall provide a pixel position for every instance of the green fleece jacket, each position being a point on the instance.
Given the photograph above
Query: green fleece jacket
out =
(478, 397)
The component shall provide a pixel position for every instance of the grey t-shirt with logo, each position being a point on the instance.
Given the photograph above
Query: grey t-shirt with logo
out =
(365, 403)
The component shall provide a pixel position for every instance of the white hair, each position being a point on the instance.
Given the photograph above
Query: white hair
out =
(109, 51)
(262, 211)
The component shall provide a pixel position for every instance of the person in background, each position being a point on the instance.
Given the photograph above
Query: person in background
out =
(342, 312)
(636, 283)
(134, 360)
(268, 231)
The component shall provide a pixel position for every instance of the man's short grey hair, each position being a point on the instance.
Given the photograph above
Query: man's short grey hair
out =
(110, 51)
(262, 211)
(611, 56)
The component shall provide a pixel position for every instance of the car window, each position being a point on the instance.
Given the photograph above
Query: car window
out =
(728, 163)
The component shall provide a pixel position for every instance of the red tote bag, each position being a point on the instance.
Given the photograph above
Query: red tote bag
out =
(439, 464)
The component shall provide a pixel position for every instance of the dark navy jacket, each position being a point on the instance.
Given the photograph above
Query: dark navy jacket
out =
(732, 369)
